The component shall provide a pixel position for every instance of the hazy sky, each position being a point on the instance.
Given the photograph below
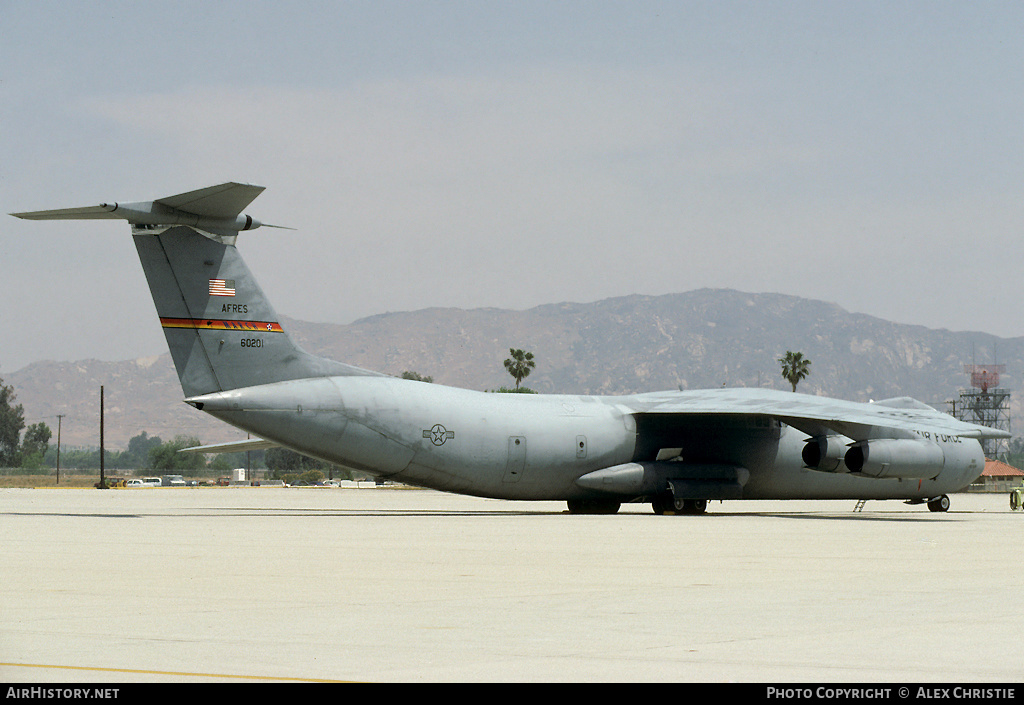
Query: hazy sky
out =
(511, 154)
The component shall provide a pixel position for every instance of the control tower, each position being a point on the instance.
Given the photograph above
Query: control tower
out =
(985, 403)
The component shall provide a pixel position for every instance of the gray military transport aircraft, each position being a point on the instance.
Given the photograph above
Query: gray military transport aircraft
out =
(675, 449)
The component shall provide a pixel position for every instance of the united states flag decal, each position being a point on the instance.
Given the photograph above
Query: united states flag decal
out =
(222, 287)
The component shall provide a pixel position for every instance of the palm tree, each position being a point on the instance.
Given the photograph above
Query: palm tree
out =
(795, 367)
(519, 365)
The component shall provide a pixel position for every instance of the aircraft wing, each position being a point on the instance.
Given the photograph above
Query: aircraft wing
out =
(233, 446)
(816, 415)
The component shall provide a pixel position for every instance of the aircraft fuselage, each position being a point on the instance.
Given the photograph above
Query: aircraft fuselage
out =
(527, 446)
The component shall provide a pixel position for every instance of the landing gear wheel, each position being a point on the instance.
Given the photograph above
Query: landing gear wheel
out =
(939, 504)
(665, 503)
(691, 506)
(1016, 500)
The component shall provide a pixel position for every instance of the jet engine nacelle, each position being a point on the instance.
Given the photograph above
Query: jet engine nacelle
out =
(826, 453)
(890, 457)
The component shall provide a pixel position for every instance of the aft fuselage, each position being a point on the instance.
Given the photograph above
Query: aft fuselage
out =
(515, 446)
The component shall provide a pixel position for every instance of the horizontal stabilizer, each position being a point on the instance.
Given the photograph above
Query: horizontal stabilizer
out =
(233, 446)
(223, 201)
(87, 213)
(215, 209)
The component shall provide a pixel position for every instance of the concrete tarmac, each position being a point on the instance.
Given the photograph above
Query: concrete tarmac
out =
(229, 584)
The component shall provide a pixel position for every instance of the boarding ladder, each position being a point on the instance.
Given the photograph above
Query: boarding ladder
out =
(860, 505)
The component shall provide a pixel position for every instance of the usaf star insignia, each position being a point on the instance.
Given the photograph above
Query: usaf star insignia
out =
(438, 434)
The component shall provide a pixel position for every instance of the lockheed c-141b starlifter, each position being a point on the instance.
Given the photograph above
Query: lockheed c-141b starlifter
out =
(675, 449)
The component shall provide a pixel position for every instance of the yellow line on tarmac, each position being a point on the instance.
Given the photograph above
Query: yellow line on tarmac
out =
(173, 673)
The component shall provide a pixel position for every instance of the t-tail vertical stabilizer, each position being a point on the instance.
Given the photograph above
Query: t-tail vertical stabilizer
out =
(221, 330)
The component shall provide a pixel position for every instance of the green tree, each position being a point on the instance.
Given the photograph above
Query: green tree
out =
(408, 374)
(139, 448)
(285, 464)
(12, 420)
(220, 464)
(311, 477)
(282, 461)
(34, 445)
(166, 456)
(519, 365)
(795, 367)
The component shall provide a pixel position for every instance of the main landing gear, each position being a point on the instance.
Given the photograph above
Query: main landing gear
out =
(935, 504)
(665, 503)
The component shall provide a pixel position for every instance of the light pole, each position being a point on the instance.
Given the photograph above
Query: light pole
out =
(59, 417)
